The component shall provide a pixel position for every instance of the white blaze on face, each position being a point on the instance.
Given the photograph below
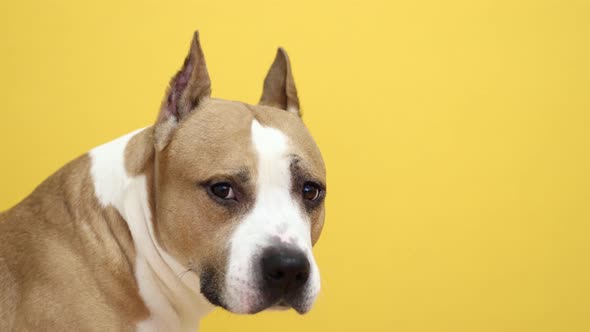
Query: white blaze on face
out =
(275, 215)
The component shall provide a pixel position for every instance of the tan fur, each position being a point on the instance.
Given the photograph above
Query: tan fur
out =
(279, 85)
(67, 264)
(209, 145)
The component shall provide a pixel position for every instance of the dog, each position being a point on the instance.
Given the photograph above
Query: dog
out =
(218, 204)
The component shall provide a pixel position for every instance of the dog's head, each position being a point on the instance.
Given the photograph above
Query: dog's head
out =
(239, 190)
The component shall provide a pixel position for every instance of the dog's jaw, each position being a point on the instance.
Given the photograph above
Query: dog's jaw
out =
(175, 303)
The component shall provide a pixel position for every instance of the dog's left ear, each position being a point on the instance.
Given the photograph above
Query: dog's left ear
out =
(188, 88)
(279, 85)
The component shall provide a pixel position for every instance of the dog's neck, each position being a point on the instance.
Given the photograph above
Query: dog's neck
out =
(171, 294)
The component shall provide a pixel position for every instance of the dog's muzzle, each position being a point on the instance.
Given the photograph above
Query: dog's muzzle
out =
(277, 277)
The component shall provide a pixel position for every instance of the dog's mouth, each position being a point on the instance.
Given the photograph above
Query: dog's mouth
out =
(295, 302)
(212, 294)
(212, 288)
(281, 305)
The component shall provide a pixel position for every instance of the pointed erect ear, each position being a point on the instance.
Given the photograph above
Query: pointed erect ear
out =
(279, 86)
(188, 88)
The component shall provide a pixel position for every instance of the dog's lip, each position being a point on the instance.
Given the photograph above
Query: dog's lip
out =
(298, 305)
(281, 305)
(286, 304)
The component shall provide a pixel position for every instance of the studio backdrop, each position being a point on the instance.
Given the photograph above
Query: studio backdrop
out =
(456, 136)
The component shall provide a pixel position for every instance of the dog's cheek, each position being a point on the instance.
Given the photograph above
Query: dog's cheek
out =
(178, 229)
(192, 226)
(317, 224)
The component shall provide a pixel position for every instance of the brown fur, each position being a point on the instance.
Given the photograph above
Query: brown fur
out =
(66, 263)
(279, 85)
(209, 145)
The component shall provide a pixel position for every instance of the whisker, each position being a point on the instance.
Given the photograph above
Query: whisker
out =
(183, 273)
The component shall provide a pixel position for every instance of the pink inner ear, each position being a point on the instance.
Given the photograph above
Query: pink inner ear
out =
(177, 86)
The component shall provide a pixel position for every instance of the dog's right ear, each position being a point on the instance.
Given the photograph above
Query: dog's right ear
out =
(188, 88)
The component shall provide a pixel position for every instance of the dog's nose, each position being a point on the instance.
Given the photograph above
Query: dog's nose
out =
(285, 270)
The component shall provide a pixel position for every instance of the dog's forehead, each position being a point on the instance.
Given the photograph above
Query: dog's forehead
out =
(301, 142)
(226, 127)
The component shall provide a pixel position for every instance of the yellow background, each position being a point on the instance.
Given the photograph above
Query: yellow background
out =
(456, 135)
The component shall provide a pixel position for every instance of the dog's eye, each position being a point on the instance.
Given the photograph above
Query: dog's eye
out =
(223, 190)
(311, 191)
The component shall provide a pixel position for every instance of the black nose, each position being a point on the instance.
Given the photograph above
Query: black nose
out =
(284, 270)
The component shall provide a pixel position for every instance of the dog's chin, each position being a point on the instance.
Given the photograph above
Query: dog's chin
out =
(256, 310)
(300, 307)
(254, 306)
(281, 305)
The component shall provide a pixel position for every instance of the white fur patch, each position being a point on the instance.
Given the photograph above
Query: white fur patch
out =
(275, 215)
(175, 304)
(108, 170)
